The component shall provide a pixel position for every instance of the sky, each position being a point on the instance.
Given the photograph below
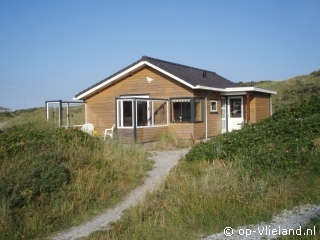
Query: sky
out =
(51, 50)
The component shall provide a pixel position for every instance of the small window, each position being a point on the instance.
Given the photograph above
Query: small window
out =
(213, 106)
(181, 110)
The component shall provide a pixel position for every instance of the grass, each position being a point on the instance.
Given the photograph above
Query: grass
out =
(168, 140)
(53, 178)
(238, 178)
(292, 90)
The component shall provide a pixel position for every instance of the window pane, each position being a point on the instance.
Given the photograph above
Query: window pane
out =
(198, 113)
(235, 108)
(213, 106)
(127, 113)
(142, 113)
(160, 113)
(181, 111)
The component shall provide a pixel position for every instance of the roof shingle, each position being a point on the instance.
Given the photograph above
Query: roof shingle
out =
(191, 75)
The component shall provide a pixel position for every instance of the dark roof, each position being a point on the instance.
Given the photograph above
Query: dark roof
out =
(191, 75)
(194, 76)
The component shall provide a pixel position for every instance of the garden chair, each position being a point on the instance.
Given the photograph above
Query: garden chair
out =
(88, 128)
(109, 132)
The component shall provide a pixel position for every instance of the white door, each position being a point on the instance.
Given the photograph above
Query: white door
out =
(235, 113)
(223, 115)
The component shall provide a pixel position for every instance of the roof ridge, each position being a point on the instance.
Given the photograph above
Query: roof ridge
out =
(173, 63)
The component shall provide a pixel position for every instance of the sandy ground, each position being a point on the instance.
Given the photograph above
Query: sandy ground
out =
(164, 161)
(289, 222)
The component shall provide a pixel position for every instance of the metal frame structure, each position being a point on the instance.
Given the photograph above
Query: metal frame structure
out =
(60, 107)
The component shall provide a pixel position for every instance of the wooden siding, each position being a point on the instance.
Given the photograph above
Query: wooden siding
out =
(149, 134)
(182, 130)
(262, 106)
(214, 119)
(101, 106)
(259, 106)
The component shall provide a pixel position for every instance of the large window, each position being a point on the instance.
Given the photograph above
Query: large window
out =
(141, 112)
(187, 110)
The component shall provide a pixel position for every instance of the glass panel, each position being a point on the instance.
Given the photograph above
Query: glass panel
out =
(181, 111)
(198, 113)
(235, 108)
(64, 114)
(142, 113)
(76, 114)
(127, 113)
(119, 113)
(53, 113)
(160, 113)
(213, 106)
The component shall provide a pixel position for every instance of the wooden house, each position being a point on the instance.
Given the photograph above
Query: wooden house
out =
(151, 96)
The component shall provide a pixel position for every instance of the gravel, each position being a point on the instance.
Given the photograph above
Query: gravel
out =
(289, 222)
(164, 161)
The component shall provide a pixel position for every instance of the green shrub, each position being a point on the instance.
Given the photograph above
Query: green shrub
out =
(53, 178)
(282, 142)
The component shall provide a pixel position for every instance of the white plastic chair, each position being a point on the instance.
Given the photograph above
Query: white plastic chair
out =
(109, 132)
(88, 128)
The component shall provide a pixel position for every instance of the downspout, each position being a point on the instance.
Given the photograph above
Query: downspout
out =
(206, 100)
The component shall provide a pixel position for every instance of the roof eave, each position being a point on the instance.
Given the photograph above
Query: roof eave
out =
(236, 90)
(126, 72)
(247, 89)
(209, 88)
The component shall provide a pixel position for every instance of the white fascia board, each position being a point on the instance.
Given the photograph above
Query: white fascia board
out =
(254, 89)
(101, 85)
(169, 74)
(124, 73)
(210, 88)
(235, 93)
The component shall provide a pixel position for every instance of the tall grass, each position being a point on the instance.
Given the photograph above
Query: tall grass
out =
(293, 90)
(53, 178)
(238, 178)
(200, 198)
(168, 140)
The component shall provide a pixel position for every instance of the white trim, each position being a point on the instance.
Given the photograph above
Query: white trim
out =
(211, 101)
(169, 74)
(209, 88)
(254, 89)
(127, 72)
(122, 74)
(146, 63)
(233, 93)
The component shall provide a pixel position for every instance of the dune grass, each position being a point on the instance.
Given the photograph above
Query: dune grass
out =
(53, 178)
(238, 178)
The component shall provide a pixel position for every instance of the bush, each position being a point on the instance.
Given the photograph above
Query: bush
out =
(283, 142)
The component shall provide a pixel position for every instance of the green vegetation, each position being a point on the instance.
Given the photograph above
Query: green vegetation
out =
(292, 90)
(4, 116)
(168, 140)
(52, 178)
(238, 178)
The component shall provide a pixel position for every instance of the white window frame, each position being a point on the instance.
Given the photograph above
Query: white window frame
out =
(216, 102)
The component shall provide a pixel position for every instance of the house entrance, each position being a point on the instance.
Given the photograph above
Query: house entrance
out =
(235, 113)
